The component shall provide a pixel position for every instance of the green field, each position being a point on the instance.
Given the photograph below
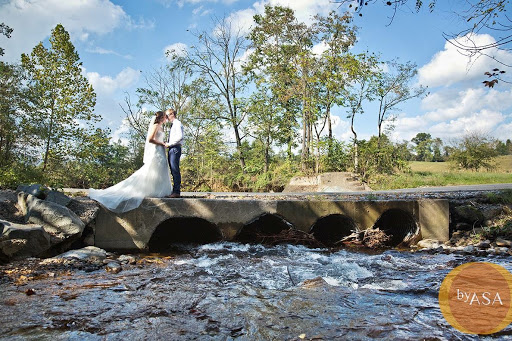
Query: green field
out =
(432, 174)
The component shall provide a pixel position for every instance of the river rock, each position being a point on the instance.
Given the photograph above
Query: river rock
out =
(503, 242)
(21, 241)
(491, 212)
(113, 267)
(484, 244)
(314, 283)
(470, 249)
(37, 190)
(501, 250)
(127, 259)
(428, 243)
(468, 214)
(86, 253)
(59, 221)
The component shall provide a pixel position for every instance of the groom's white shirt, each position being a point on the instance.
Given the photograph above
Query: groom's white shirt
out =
(176, 134)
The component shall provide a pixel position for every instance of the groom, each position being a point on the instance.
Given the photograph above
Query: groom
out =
(175, 141)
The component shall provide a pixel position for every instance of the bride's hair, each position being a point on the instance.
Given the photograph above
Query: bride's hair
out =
(159, 116)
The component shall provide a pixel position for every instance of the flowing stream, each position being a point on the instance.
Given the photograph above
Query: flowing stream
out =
(231, 291)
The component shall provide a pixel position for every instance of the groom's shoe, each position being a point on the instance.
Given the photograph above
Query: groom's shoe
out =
(174, 195)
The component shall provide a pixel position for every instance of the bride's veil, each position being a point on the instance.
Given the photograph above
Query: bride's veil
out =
(149, 148)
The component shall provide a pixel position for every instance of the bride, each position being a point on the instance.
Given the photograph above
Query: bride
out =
(151, 180)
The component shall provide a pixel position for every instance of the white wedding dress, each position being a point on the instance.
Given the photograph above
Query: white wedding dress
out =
(151, 180)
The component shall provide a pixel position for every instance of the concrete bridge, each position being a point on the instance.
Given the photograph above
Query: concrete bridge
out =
(159, 222)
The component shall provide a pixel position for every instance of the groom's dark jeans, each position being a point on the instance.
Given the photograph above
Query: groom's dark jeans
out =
(174, 163)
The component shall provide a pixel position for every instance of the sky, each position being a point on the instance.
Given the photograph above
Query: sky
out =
(119, 42)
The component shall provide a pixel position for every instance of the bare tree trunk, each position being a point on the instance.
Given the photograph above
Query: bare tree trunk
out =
(304, 136)
(356, 155)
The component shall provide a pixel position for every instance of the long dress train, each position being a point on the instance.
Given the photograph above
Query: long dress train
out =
(151, 180)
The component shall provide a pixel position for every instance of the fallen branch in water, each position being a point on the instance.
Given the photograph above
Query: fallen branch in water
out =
(371, 238)
(289, 236)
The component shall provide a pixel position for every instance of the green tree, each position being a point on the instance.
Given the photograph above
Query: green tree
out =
(97, 162)
(336, 156)
(64, 97)
(264, 121)
(339, 36)
(205, 150)
(423, 148)
(217, 57)
(393, 88)
(437, 144)
(13, 97)
(6, 31)
(166, 87)
(383, 159)
(365, 75)
(501, 148)
(274, 42)
(473, 152)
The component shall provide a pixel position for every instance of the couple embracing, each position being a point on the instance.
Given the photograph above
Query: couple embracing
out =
(153, 178)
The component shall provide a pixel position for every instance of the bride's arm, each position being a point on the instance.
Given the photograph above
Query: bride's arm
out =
(152, 135)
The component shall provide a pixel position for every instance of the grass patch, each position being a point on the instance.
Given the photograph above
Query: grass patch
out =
(436, 174)
(503, 197)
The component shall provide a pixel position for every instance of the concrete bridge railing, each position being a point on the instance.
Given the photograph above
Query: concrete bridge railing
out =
(160, 221)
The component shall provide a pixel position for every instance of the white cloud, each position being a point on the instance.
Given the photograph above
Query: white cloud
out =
(407, 127)
(243, 19)
(120, 133)
(319, 48)
(177, 49)
(450, 66)
(450, 105)
(503, 131)
(304, 10)
(181, 3)
(100, 50)
(106, 85)
(484, 121)
(201, 11)
(33, 20)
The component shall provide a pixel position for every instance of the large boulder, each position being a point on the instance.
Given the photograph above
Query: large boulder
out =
(21, 241)
(37, 190)
(468, 214)
(58, 198)
(86, 253)
(61, 223)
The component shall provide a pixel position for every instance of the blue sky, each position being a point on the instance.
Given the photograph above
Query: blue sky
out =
(121, 41)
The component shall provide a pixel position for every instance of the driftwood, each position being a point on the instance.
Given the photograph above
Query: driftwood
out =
(371, 238)
(289, 236)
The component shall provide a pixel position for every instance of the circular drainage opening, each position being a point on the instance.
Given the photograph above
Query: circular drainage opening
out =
(398, 224)
(330, 229)
(263, 226)
(185, 231)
